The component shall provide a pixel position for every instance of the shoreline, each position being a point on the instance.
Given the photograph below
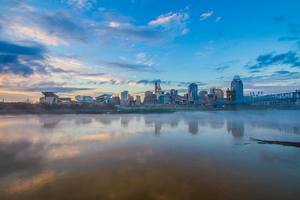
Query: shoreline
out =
(39, 109)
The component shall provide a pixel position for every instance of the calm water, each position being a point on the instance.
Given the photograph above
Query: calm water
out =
(184, 156)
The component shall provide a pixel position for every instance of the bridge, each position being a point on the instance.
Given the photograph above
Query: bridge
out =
(287, 98)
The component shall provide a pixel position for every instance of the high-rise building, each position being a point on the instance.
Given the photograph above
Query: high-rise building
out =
(124, 98)
(173, 96)
(203, 96)
(157, 89)
(164, 98)
(237, 88)
(138, 100)
(229, 94)
(150, 98)
(193, 93)
(217, 93)
(131, 100)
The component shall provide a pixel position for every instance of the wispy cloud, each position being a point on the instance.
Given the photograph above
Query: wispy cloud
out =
(187, 83)
(151, 82)
(223, 68)
(290, 58)
(169, 18)
(218, 19)
(130, 66)
(206, 15)
(49, 29)
(80, 4)
(278, 81)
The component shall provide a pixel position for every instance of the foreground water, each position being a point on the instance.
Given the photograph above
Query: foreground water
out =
(192, 155)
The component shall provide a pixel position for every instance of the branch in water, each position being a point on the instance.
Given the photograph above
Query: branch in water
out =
(283, 143)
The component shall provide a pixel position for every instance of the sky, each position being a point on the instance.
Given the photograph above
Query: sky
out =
(91, 47)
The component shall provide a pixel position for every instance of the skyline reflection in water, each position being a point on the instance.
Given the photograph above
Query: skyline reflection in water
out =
(188, 155)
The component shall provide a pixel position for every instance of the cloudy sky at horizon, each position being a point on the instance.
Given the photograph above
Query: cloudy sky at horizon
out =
(99, 46)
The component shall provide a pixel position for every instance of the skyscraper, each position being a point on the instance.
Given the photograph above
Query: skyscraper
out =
(157, 89)
(193, 92)
(237, 88)
(124, 98)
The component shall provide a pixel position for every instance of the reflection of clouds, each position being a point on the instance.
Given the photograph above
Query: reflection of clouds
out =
(19, 156)
(83, 120)
(27, 146)
(31, 183)
(143, 154)
(62, 152)
(102, 137)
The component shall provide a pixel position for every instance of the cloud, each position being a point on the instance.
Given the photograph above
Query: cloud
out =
(125, 31)
(278, 81)
(50, 29)
(185, 31)
(206, 15)
(164, 28)
(222, 68)
(142, 58)
(66, 63)
(130, 67)
(80, 4)
(186, 84)
(49, 86)
(285, 72)
(169, 18)
(290, 58)
(114, 24)
(152, 82)
(21, 60)
(57, 89)
(218, 19)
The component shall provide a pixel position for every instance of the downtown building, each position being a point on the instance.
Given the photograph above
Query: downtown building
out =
(193, 93)
(237, 89)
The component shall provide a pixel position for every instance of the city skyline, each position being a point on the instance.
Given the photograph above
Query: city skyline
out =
(91, 47)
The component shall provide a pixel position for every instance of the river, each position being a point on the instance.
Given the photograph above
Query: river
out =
(178, 156)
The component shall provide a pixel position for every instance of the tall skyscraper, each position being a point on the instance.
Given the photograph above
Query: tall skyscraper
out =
(193, 92)
(157, 89)
(237, 88)
(124, 98)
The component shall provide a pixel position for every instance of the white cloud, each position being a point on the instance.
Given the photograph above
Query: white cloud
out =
(185, 31)
(25, 32)
(81, 4)
(169, 18)
(114, 24)
(65, 62)
(141, 58)
(206, 15)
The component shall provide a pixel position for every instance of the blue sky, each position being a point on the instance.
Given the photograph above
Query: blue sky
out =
(91, 47)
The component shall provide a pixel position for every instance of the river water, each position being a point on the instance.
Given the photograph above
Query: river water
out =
(179, 156)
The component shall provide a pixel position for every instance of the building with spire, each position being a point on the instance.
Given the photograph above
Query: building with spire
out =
(237, 88)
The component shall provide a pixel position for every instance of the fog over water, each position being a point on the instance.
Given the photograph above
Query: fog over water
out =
(185, 155)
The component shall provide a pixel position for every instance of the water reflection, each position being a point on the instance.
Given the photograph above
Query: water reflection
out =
(165, 156)
(236, 128)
